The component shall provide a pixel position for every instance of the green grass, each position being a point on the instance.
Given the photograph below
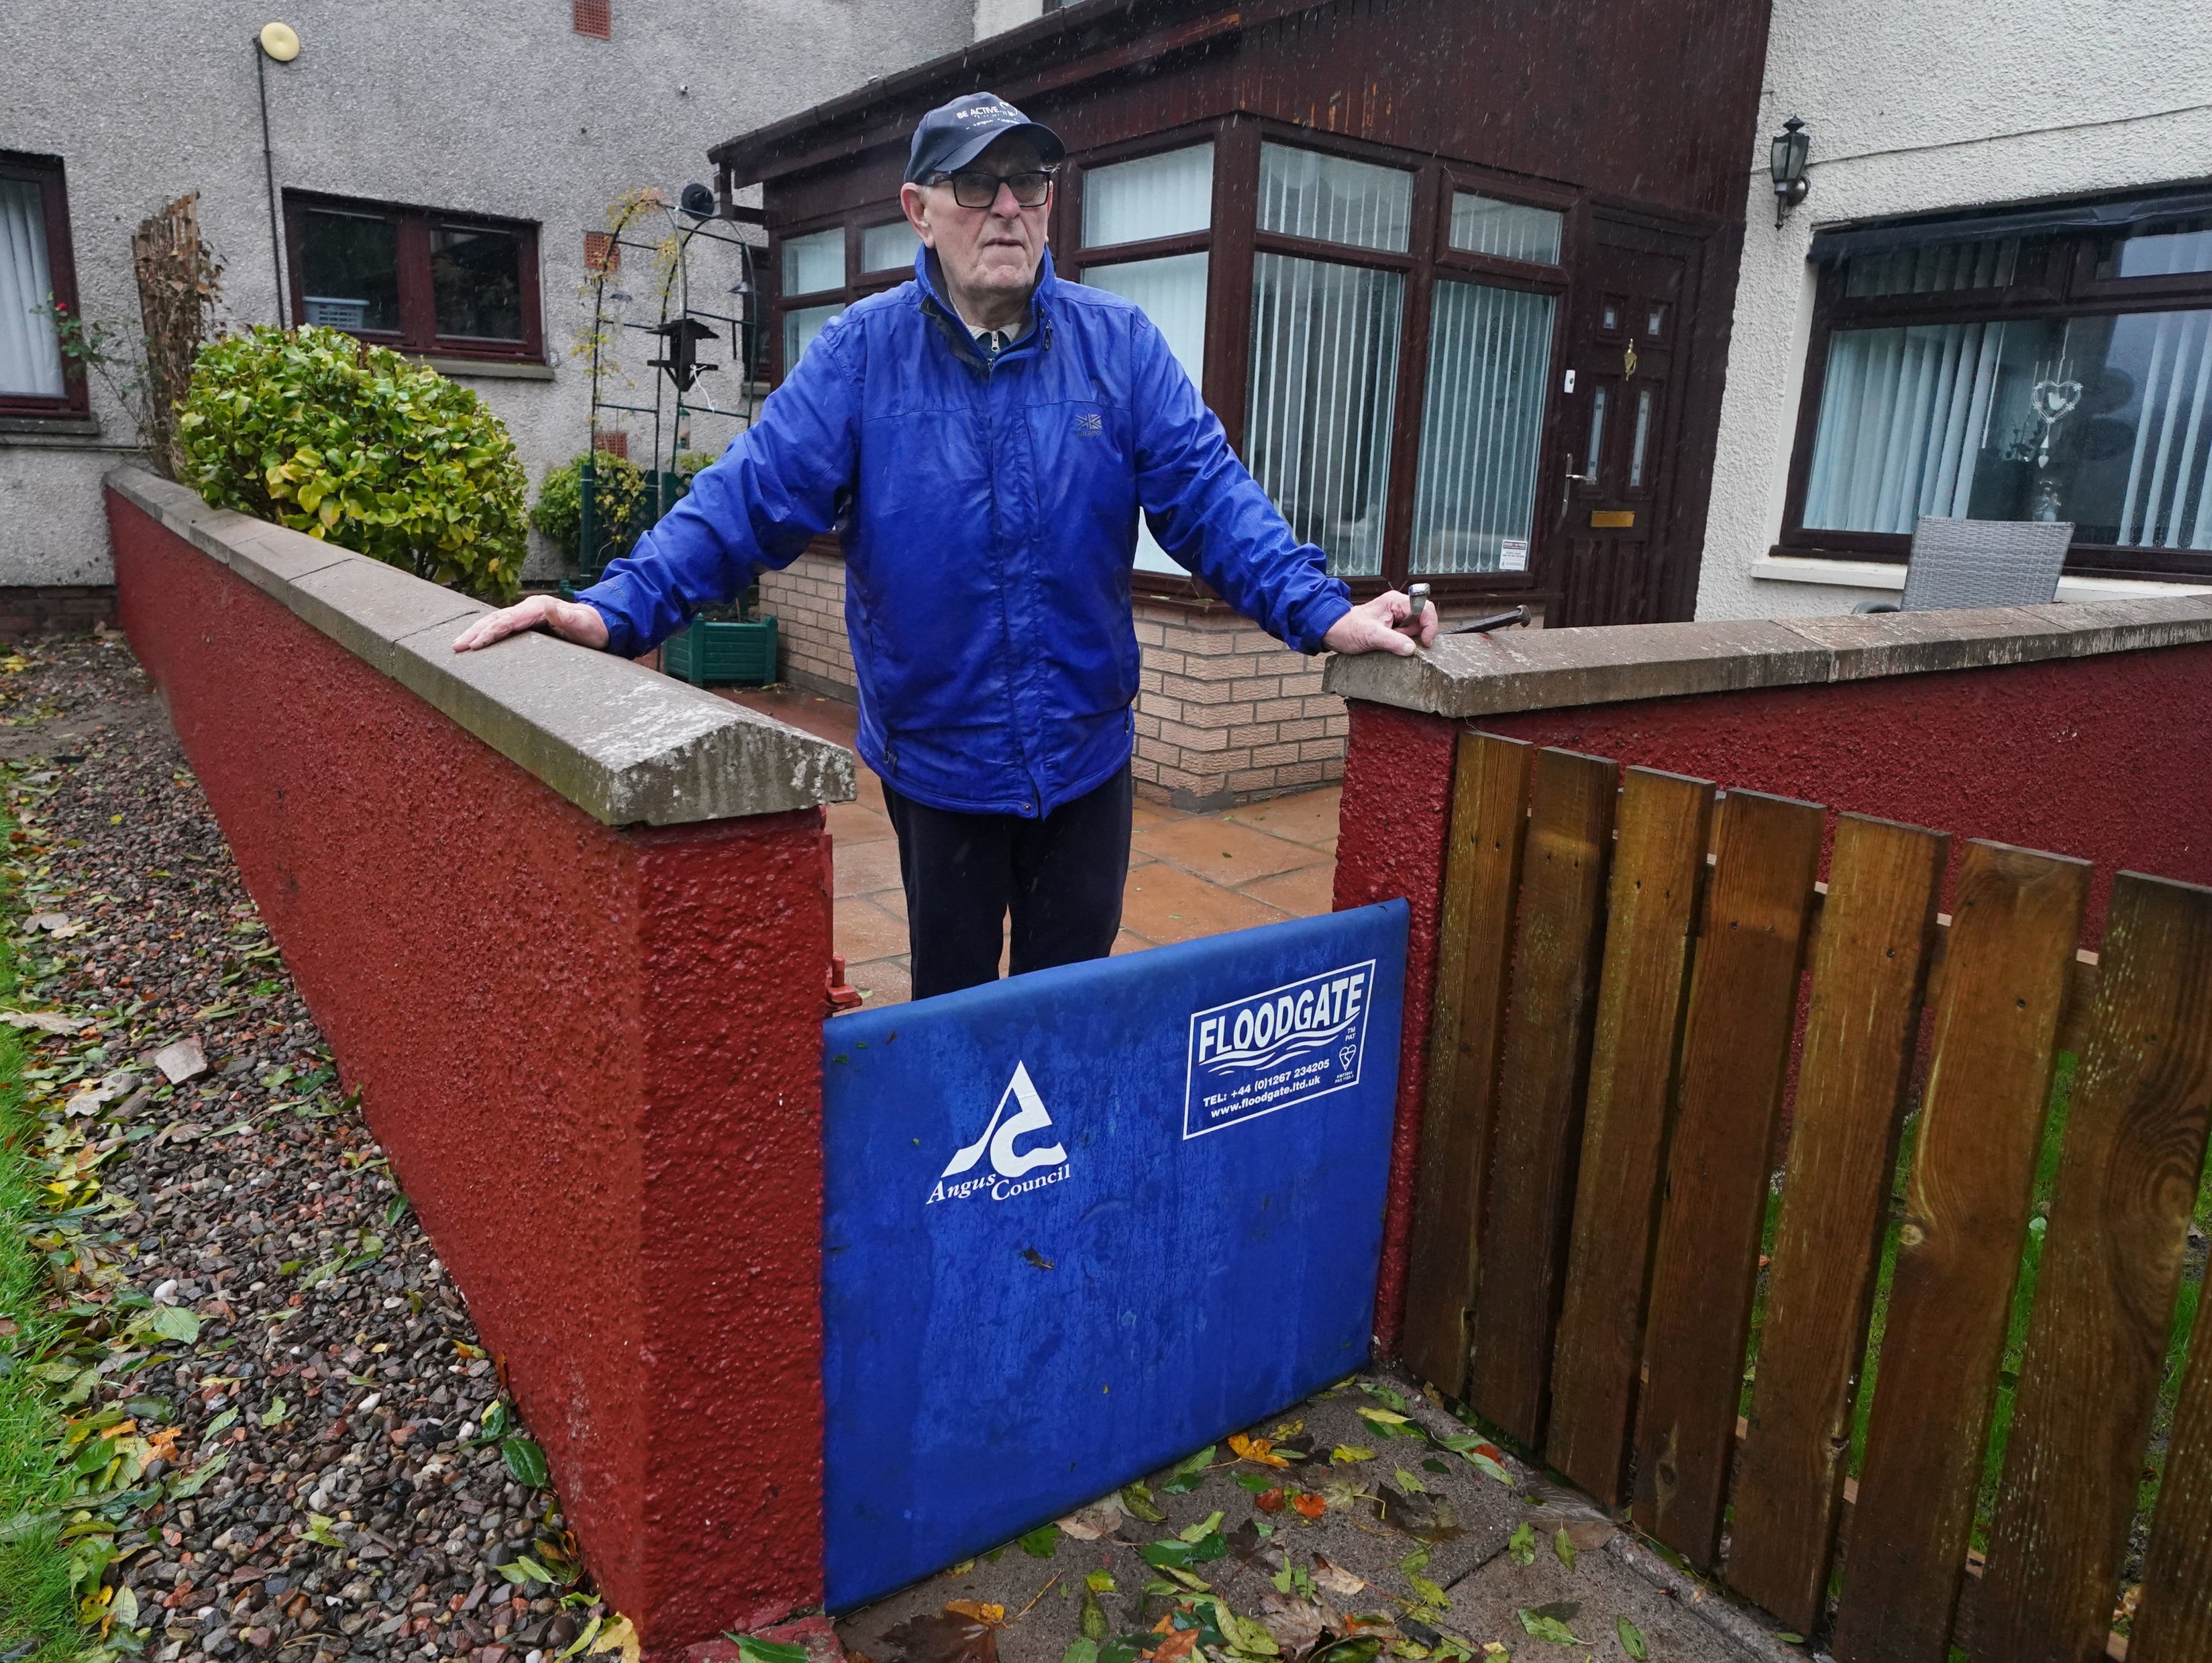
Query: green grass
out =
(37, 1620)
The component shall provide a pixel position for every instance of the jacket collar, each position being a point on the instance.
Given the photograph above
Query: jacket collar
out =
(930, 281)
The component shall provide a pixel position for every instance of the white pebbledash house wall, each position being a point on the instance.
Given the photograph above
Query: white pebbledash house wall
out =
(497, 107)
(1915, 106)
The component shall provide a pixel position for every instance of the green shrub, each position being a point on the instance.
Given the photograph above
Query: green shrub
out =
(619, 495)
(356, 445)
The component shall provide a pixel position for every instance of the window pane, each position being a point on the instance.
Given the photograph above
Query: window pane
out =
(350, 270)
(886, 247)
(1490, 365)
(1507, 230)
(799, 329)
(1155, 196)
(1304, 194)
(814, 262)
(1643, 438)
(2161, 250)
(1172, 292)
(30, 356)
(1937, 268)
(1317, 425)
(2103, 421)
(476, 281)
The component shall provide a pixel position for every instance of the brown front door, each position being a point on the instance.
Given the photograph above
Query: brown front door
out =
(1627, 351)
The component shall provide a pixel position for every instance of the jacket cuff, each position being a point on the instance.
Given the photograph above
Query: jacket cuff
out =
(1321, 616)
(619, 634)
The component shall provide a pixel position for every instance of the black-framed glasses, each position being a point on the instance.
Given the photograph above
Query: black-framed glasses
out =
(976, 188)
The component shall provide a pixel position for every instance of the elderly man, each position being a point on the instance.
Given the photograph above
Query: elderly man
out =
(982, 438)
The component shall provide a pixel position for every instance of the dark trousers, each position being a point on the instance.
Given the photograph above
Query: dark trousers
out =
(1061, 877)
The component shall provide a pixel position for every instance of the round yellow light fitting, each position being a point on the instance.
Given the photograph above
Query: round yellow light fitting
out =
(281, 41)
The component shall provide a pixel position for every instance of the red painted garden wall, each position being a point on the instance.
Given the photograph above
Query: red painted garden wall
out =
(593, 1057)
(2102, 758)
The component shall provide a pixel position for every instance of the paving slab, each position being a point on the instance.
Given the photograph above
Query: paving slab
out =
(1392, 1510)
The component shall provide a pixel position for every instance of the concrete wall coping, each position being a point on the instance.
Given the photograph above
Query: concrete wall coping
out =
(627, 745)
(1549, 669)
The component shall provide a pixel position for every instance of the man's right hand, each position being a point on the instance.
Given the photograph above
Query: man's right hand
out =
(572, 621)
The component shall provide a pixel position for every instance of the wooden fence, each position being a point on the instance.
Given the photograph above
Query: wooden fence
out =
(1632, 969)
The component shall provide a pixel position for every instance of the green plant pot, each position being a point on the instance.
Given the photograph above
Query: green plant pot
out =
(708, 654)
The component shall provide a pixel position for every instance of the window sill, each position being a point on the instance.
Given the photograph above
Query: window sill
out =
(51, 427)
(486, 369)
(1889, 575)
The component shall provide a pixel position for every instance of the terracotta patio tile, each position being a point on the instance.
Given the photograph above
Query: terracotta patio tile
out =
(1221, 851)
(1130, 941)
(892, 901)
(864, 931)
(864, 868)
(1152, 813)
(1305, 894)
(853, 822)
(1165, 904)
(870, 786)
(1306, 817)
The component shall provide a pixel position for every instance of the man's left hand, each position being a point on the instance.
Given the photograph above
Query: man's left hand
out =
(1370, 627)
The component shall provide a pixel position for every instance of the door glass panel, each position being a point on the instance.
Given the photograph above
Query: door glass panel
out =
(1506, 230)
(1317, 421)
(1596, 432)
(1172, 292)
(800, 327)
(814, 262)
(2103, 421)
(1154, 196)
(888, 248)
(1490, 365)
(476, 281)
(1643, 438)
(350, 270)
(1304, 194)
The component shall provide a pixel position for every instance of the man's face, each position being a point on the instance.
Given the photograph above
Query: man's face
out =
(992, 251)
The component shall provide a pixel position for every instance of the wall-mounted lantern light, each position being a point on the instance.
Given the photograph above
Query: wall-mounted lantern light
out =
(1793, 145)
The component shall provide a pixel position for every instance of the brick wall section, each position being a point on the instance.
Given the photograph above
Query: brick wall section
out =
(57, 609)
(1225, 713)
(807, 598)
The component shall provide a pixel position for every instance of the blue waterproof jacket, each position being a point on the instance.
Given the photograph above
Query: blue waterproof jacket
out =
(989, 516)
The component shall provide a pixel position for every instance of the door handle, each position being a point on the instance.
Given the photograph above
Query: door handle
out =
(1572, 479)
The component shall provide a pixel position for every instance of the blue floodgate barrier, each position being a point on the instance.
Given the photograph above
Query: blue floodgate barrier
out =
(1080, 1223)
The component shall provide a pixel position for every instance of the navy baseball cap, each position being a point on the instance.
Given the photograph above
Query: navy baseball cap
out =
(953, 134)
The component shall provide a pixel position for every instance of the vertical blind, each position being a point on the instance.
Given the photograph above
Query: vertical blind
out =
(814, 262)
(799, 329)
(1946, 419)
(1504, 230)
(30, 356)
(1304, 194)
(1318, 413)
(1172, 292)
(888, 248)
(1490, 356)
(1154, 196)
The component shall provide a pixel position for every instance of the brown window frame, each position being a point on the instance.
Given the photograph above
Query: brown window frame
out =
(2056, 279)
(47, 173)
(1231, 241)
(417, 332)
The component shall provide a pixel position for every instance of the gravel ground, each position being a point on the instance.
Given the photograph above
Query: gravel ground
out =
(308, 1476)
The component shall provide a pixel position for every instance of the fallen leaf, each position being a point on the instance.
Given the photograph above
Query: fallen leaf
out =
(1424, 1517)
(1204, 1528)
(1309, 1505)
(1295, 1623)
(1099, 1581)
(1089, 1524)
(978, 1611)
(1268, 1501)
(1041, 1543)
(1327, 1574)
(1522, 1545)
(1245, 1541)
(1408, 1482)
(951, 1636)
(620, 1636)
(1345, 1454)
(1563, 1546)
(45, 1021)
(1189, 1473)
(1092, 1620)
(1429, 1593)
(1261, 1450)
(1138, 1499)
(1559, 1610)
(1547, 1629)
(1082, 1649)
(752, 1648)
(1631, 1639)
(1175, 1647)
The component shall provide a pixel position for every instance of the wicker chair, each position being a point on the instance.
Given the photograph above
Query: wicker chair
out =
(1980, 563)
